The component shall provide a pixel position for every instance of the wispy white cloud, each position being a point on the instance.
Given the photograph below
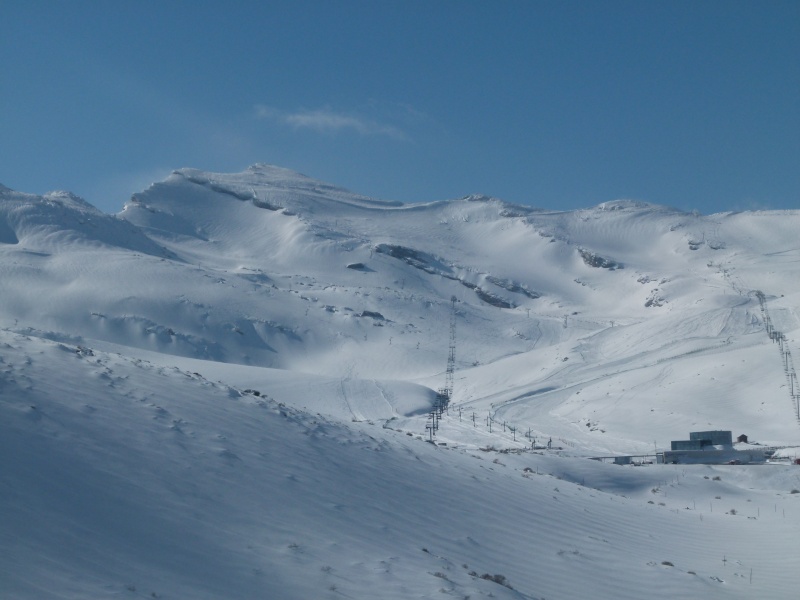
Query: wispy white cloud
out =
(326, 120)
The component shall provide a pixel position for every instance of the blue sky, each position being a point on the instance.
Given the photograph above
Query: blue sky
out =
(552, 104)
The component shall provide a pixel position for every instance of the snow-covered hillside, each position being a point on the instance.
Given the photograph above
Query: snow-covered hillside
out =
(223, 391)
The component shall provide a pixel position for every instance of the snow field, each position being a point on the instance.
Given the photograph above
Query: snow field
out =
(159, 480)
(202, 398)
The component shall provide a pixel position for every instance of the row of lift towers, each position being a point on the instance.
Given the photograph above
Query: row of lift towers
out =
(443, 395)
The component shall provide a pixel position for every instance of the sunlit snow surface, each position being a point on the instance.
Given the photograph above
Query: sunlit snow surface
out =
(222, 392)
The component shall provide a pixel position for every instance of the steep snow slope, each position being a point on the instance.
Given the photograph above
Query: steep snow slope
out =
(141, 460)
(157, 482)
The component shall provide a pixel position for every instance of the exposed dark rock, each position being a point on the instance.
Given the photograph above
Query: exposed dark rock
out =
(597, 261)
(434, 266)
(512, 287)
(372, 315)
(654, 301)
(490, 298)
(415, 258)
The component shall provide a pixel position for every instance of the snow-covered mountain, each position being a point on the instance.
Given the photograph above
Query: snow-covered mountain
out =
(223, 390)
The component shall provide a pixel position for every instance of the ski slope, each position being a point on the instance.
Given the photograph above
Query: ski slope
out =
(222, 392)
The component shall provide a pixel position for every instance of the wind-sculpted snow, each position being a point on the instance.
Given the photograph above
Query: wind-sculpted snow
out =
(199, 269)
(129, 477)
(60, 220)
(223, 392)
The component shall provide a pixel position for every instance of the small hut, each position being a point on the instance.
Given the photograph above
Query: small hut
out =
(742, 439)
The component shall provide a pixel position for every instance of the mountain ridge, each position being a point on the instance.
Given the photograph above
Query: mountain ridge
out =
(224, 391)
